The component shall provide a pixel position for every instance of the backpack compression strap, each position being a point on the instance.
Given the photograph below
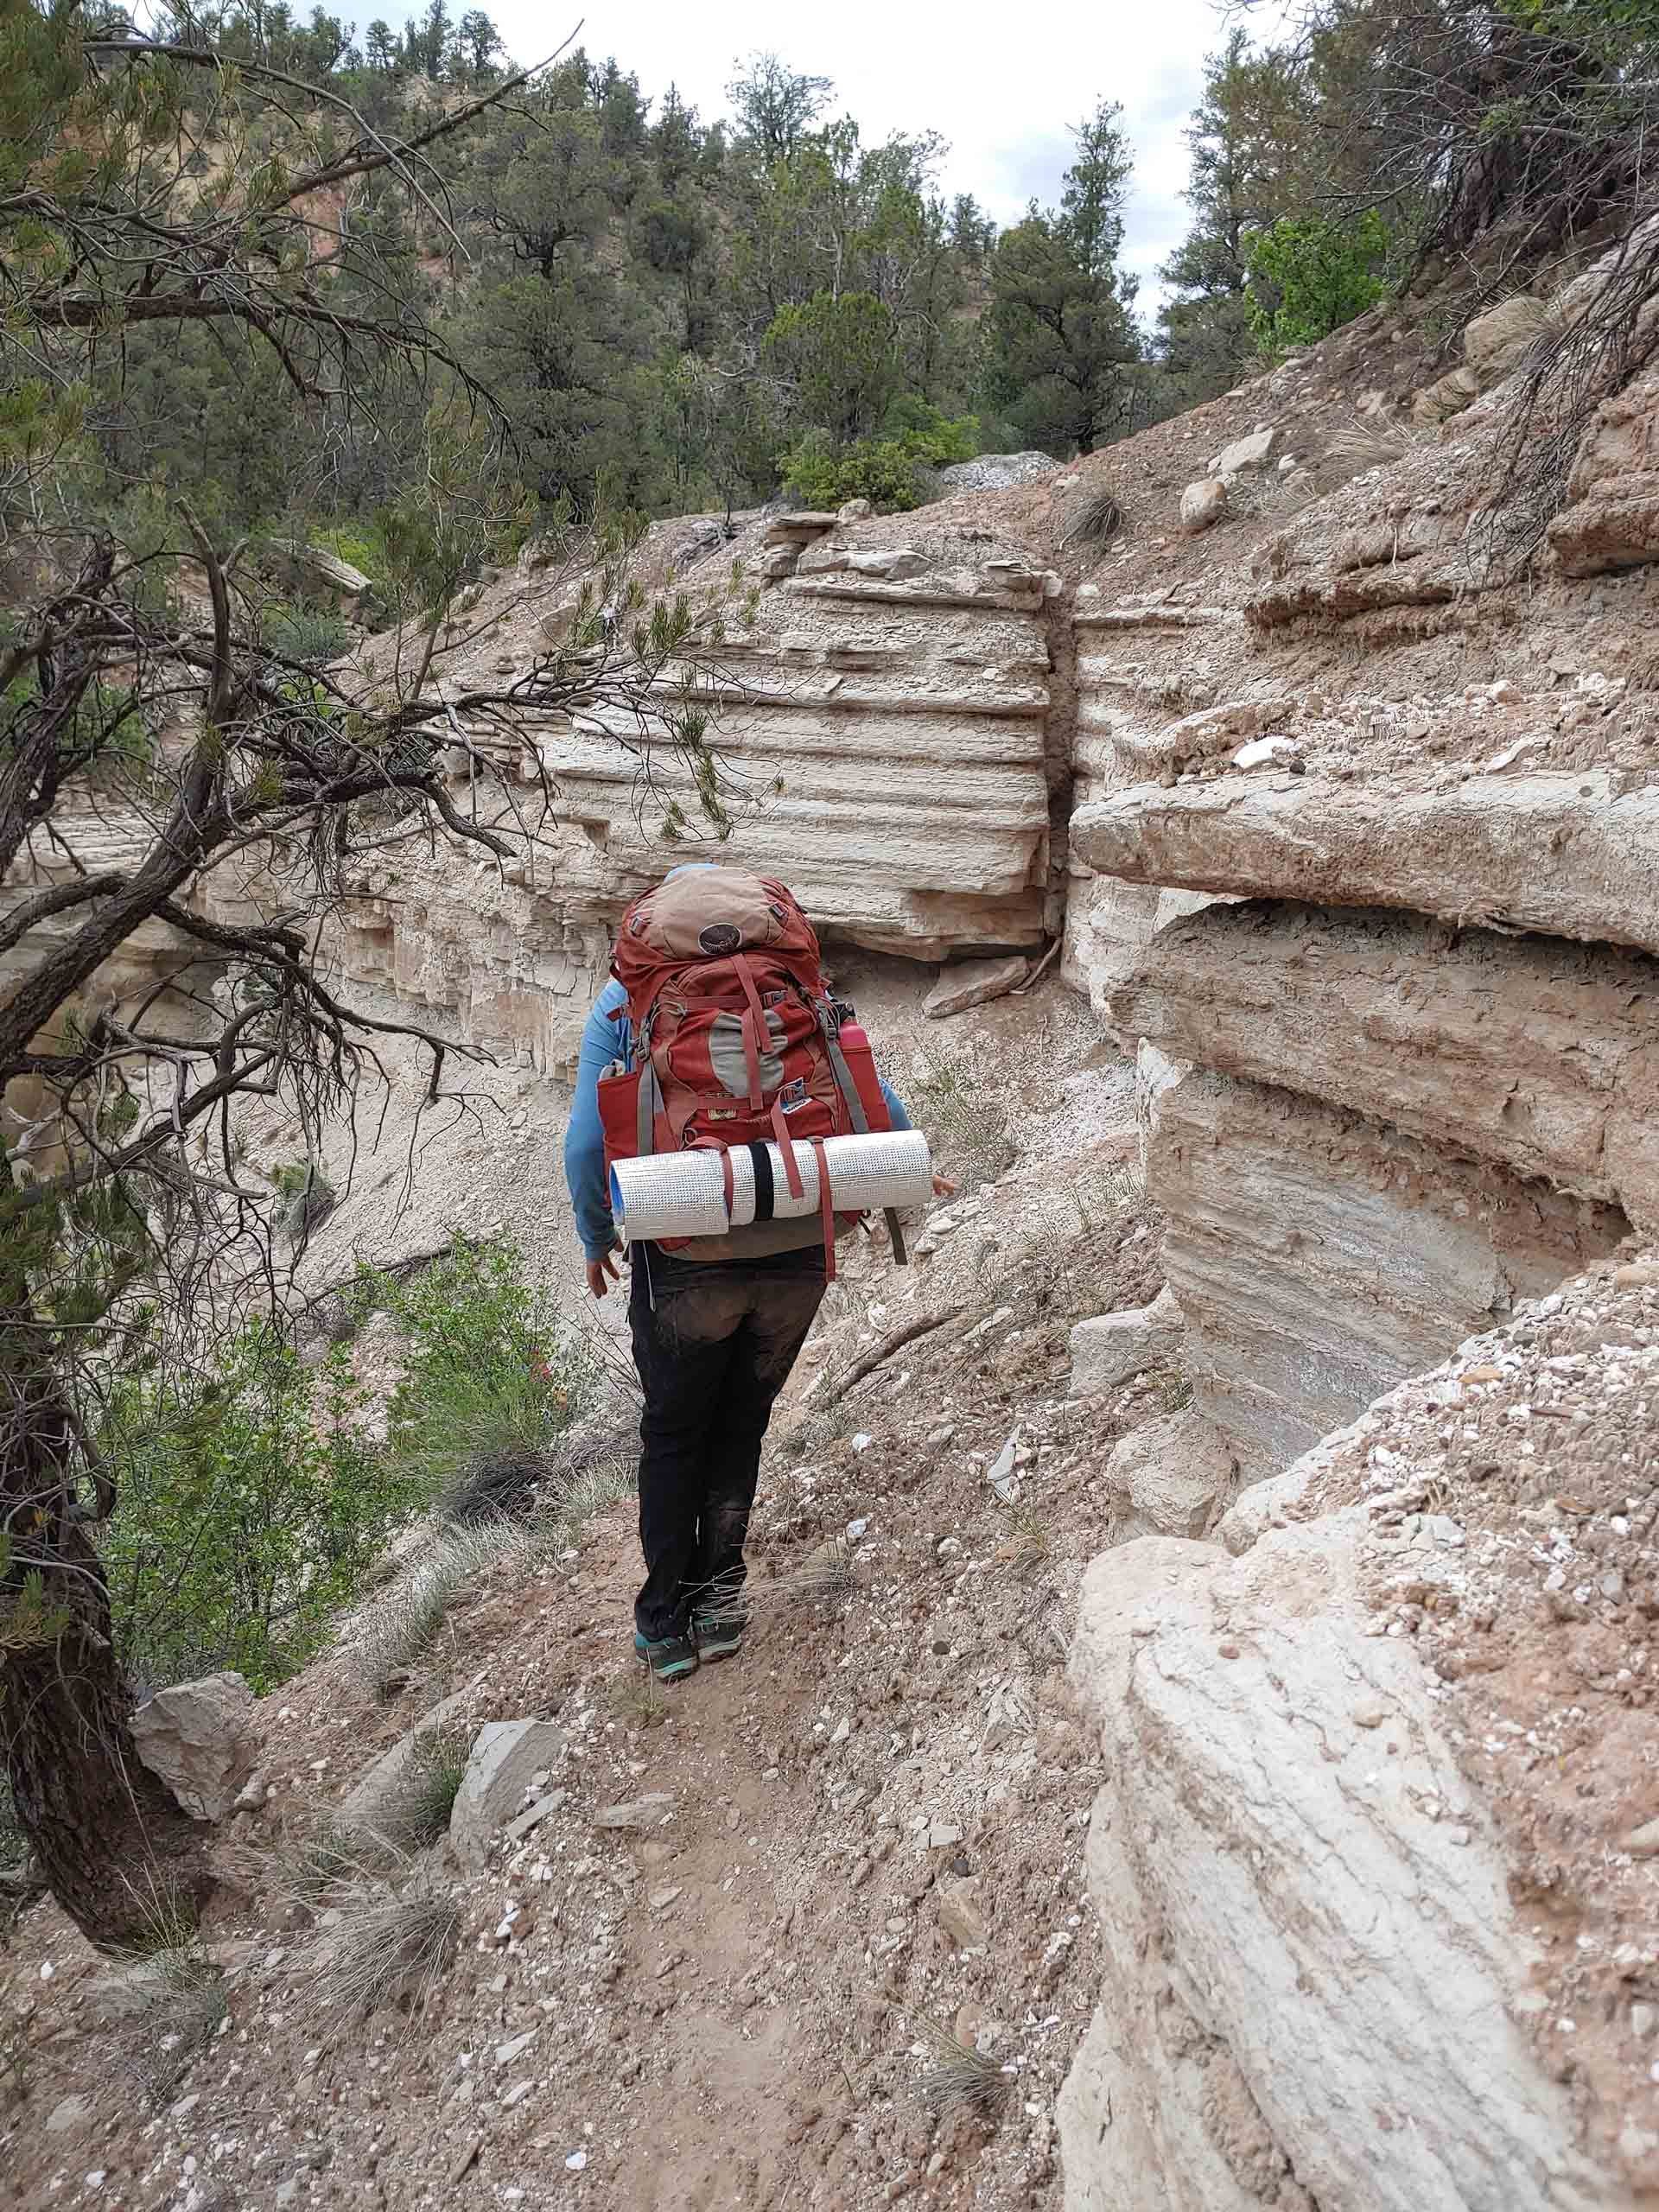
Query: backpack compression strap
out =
(861, 1121)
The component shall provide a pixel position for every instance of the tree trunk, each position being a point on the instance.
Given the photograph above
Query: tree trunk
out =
(113, 1844)
(109, 1838)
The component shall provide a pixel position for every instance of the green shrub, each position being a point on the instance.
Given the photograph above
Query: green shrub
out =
(1310, 275)
(491, 1379)
(305, 632)
(884, 470)
(360, 545)
(308, 1199)
(251, 1505)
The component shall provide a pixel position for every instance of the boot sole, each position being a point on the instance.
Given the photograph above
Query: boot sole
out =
(712, 1652)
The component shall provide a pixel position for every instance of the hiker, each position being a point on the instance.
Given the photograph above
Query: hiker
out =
(716, 1321)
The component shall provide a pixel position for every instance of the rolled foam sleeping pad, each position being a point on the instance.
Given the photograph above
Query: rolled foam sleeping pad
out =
(684, 1194)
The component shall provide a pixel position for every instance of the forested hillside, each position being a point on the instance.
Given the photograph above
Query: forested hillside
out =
(666, 312)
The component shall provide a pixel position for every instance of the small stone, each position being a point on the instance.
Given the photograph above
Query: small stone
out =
(843, 1729)
(1370, 1714)
(1639, 1275)
(68, 2113)
(1645, 2018)
(861, 1443)
(506, 2052)
(660, 1900)
(941, 1836)
(959, 1914)
(638, 1812)
(516, 2094)
(855, 1529)
(1641, 1842)
(1203, 504)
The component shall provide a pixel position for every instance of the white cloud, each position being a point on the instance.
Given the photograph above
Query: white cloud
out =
(1001, 89)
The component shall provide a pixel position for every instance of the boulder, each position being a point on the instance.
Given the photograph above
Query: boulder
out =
(381, 1781)
(1246, 454)
(1203, 504)
(1614, 522)
(797, 528)
(1172, 1477)
(1312, 1966)
(1447, 397)
(196, 1739)
(1112, 1347)
(994, 472)
(506, 1757)
(1497, 341)
(972, 982)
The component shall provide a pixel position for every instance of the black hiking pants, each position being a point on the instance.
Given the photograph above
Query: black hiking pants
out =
(712, 1353)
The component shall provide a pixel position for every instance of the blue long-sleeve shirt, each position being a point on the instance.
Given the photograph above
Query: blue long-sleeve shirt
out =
(604, 1039)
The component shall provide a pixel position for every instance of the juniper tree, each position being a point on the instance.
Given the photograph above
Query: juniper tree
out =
(158, 745)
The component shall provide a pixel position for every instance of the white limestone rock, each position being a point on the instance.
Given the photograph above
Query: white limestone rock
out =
(505, 1758)
(1172, 1477)
(196, 1739)
(967, 983)
(1307, 1981)
(1110, 1348)
(1246, 455)
(1203, 504)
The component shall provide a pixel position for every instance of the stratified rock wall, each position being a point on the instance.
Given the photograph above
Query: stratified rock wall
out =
(1319, 1256)
(1312, 1957)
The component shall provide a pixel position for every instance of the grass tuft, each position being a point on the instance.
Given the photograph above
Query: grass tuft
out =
(1094, 520)
(960, 2078)
(417, 1813)
(407, 1618)
(175, 2005)
(961, 1102)
(391, 1942)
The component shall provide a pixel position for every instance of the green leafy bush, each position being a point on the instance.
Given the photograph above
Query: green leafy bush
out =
(1310, 275)
(491, 1380)
(251, 1506)
(884, 470)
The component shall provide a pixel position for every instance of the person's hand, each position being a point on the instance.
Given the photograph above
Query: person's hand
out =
(944, 1188)
(602, 1272)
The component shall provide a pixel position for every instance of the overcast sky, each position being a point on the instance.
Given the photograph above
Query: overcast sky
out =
(1001, 86)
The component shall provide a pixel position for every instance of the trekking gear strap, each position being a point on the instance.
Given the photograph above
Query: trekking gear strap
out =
(826, 1210)
(861, 1122)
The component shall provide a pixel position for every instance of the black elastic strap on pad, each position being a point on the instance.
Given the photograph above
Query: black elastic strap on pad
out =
(762, 1158)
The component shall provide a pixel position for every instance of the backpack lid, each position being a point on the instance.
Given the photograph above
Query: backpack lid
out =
(708, 913)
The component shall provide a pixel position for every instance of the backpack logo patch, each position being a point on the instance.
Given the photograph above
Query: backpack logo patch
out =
(719, 937)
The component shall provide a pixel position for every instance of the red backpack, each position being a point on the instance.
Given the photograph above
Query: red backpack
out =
(735, 1038)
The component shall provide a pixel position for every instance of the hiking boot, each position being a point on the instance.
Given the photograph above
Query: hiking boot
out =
(668, 1656)
(719, 1631)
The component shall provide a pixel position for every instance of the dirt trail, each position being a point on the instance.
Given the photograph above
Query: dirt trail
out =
(875, 1829)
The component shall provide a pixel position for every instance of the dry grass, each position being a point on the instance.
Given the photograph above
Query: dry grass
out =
(393, 1942)
(407, 1618)
(959, 2078)
(1094, 521)
(416, 1812)
(962, 1099)
(174, 2005)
